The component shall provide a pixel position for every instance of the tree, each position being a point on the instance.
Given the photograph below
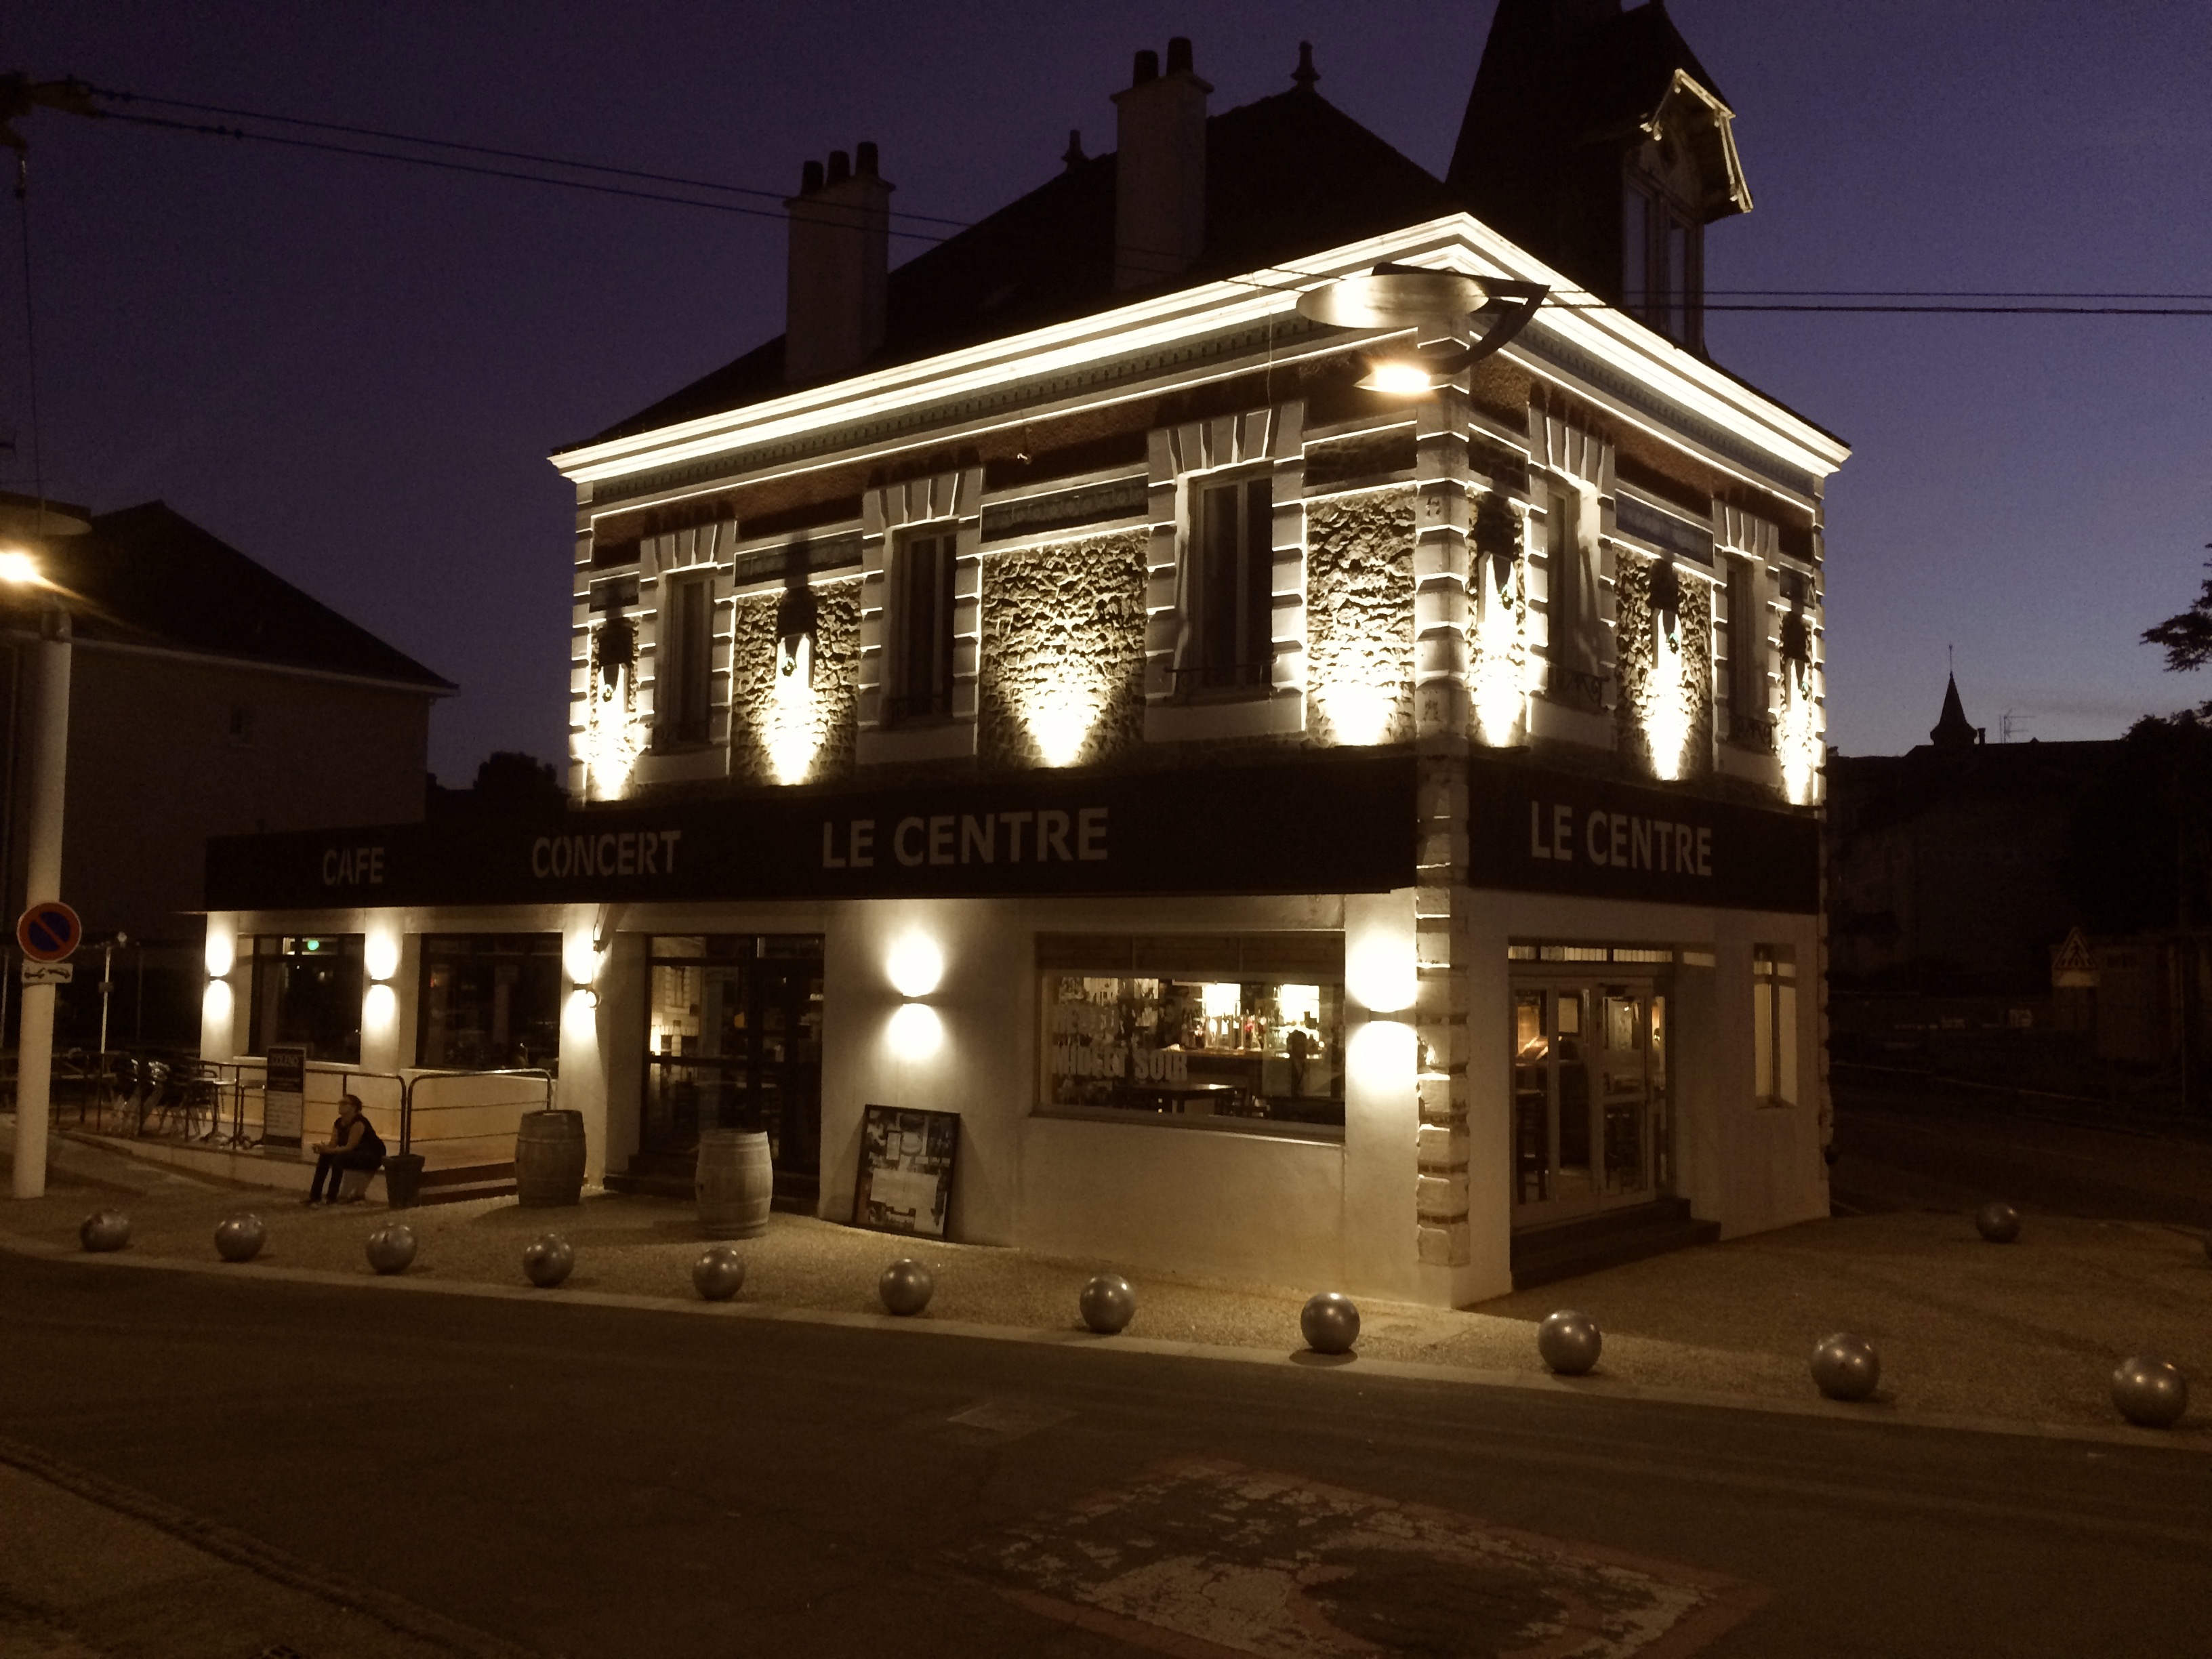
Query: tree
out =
(2186, 637)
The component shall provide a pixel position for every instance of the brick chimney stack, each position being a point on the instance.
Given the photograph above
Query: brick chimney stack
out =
(840, 231)
(1159, 192)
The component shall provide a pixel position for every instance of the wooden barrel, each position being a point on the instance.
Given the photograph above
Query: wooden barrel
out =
(736, 1181)
(548, 1159)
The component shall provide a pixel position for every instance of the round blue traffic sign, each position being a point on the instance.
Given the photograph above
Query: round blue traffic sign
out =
(49, 931)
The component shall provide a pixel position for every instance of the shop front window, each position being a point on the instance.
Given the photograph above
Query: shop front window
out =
(307, 990)
(1241, 1041)
(490, 1002)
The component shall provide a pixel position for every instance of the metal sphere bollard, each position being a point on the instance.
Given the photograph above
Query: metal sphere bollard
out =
(1570, 1342)
(1998, 1222)
(240, 1237)
(549, 1260)
(720, 1272)
(391, 1248)
(105, 1230)
(1329, 1323)
(906, 1286)
(1846, 1366)
(2150, 1392)
(1108, 1304)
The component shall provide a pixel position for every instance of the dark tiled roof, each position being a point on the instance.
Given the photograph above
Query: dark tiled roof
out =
(1285, 176)
(148, 575)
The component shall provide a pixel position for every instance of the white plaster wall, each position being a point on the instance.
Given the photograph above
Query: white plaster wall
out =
(1492, 920)
(1381, 1108)
(1201, 1203)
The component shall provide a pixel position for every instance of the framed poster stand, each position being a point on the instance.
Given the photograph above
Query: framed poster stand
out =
(905, 1183)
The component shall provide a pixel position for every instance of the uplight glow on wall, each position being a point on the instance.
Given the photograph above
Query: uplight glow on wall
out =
(380, 955)
(1360, 710)
(795, 735)
(1500, 671)
(1797, 738)
(916, 1032)
(222, 953)
(1060, 716)
(1667, 716)
(614, 734)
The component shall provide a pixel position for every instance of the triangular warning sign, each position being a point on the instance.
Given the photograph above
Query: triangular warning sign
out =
(2072, 968)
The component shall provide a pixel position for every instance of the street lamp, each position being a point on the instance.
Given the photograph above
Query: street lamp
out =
(1393, 296)
(48, 776)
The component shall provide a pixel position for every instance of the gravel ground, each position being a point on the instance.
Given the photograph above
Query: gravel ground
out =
(2028, 1331)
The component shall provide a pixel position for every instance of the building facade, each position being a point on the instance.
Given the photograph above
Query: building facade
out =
(1300, 833)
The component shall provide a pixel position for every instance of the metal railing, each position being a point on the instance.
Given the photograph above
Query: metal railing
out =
(472, 1084)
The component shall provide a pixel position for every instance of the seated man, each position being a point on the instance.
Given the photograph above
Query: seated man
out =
(353, 1146)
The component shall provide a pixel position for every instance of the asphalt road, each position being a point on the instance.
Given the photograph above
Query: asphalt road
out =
(590, 1481)
(1926, 1149)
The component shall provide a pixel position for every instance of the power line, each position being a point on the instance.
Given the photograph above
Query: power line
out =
(1843, 301)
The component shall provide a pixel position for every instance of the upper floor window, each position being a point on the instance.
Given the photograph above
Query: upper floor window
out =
(1228, 638)
(683, 669)
(918, 680)
(1663, 279)
(1571, 602)
(1750, 721)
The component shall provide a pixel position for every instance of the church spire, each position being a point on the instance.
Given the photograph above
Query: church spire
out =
(1951, 730)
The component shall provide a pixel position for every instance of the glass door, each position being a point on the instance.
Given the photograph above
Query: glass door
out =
(733, 1040)
(1589, 1083)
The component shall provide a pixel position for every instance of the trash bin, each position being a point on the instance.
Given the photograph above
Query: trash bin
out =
(403, 1179)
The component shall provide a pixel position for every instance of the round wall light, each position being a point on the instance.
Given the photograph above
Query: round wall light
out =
(915, 965)
(916, 1032)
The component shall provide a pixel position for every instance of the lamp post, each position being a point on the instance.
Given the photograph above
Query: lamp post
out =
(42, 865)
(1410, 296)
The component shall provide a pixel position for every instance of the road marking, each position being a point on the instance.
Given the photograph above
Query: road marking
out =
(1205, 1557)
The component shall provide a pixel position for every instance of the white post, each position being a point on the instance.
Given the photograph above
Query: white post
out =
(42, 880)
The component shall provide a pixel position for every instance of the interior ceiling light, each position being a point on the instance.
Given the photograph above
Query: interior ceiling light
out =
(1406, 297)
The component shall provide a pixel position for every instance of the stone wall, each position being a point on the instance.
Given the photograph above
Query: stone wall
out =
(1061, 682)
(1360, 617)
(1646, 696)
(814, 729)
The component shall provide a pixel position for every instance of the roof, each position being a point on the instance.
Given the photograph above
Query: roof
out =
(1285, 175)
(148, 576)
(1953, 730)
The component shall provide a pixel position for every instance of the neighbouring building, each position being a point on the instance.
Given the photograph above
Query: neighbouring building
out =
(208, 696)
(1299, 832)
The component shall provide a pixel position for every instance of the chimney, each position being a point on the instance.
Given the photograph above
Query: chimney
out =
(840, 230)
(1159, 188)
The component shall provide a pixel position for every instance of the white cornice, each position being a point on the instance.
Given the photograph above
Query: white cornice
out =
(1457, 241)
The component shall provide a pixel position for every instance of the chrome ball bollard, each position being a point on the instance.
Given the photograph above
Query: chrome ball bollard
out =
(549, 1260)
(1108, 1304)
(1570, 1342)
(1997, 1223)
(392, 1247)
(906, 1286)
(1329, 1323)
(2150, 1392)
(105, 1230)
(720, 1272)
(1846, 1367)
(240, 1237)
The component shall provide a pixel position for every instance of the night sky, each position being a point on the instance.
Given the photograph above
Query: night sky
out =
(353, 371)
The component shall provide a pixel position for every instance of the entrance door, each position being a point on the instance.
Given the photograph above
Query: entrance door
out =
(733, 1040)
(1589, 1095)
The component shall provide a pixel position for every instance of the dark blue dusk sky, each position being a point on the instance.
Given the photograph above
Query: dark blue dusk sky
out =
(353, 371)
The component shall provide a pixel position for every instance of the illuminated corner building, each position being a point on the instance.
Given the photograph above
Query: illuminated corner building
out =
(1356, 839)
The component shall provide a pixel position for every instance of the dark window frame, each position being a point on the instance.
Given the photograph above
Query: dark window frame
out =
(271, 1015)
(920, 612)
(1228, 647)
(683, 660)
(543, 952)
(1663, 260)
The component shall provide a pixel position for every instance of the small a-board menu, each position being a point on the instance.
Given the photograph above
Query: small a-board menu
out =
(284, 1097)
(906, 1170)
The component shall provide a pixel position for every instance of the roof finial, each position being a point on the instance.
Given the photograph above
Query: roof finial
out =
(1305, 74)
(1074, 156)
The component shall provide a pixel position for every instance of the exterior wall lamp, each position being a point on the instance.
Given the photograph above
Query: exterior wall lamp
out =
(1393, 296)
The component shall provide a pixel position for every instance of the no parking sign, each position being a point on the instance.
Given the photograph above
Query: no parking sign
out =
(49, 931)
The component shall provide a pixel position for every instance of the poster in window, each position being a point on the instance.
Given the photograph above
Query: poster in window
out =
(905, 1184)
(284, 1096)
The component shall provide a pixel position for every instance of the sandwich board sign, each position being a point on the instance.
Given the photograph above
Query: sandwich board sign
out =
(284, 1096)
